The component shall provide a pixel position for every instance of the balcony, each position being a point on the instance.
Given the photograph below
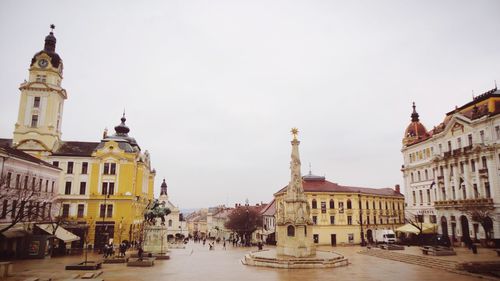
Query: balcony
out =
(467, 149)
(447, 154)
(480, 202)
(483, 172)
(457, 152)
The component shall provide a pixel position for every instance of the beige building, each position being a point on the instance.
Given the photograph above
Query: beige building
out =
(341, 214)
(176, 225)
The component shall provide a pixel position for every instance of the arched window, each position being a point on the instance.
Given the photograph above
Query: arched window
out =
(169, 222)
(332, 204)
(349, 205)
(314, 204)
(290, 230)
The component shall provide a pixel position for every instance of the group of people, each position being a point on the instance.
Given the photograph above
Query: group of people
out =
(109, 249)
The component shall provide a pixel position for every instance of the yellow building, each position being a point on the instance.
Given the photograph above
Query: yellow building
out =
(105, 186)
(341, 215)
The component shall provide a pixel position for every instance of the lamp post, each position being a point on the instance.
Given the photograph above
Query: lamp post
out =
(363, 242)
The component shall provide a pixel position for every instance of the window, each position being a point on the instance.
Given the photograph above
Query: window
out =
(67, 188)
(106, 169)
(459, 142)
(426, 174)
(476, 192)
(483, 159)
(418, 176)
(497, 131)
(104, 188)
(112, 169)
(323, 207)
(65, 211)
(314, 204)
(440, 148)
(4, 209)
(14, 208)
(85, 167)
(332, 204)
(367, 219)
(443, 192)
(81, 209)
(432, 218)
(290, 230)
(26, 182)
(316, 238)
(170, 223)
(46, 185)
(41, 78)
(83, 187)
(109, 212)
(428, 196)
(349, 204)
(473, 165)
(481, 135)
(451, 170)
(43, 210)
(420, 218)
(449, 145)
(332, 219)
(453, 194)
(315, 219)
(9, 176)
(412, 178)
(69, 169)
(421, 197)
(111, 188)
(487, 190)
(367, 205)
(52, 188)
(55, 163)
(36, 102)
(33, 183)
(34, 121)
(461, 167)
(470, 139)
(349, 220)
(102, 211)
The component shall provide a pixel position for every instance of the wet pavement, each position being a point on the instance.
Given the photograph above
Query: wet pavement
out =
(196, 262)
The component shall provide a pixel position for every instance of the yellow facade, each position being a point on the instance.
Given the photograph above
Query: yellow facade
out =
(345, 227)
(90, 169)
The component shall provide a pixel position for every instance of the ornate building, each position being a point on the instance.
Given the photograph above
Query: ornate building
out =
(451, 172)
(106, 185)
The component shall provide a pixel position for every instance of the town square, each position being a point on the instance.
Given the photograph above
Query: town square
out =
(251, 140)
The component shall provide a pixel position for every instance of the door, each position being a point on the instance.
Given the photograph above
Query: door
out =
(333, 238)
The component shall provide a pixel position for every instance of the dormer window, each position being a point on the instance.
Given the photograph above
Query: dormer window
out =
(36, 102)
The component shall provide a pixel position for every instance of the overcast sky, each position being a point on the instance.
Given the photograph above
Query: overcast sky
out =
(212, 88)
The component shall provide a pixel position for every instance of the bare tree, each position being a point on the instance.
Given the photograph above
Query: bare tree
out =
(481, 213)
(23, 201)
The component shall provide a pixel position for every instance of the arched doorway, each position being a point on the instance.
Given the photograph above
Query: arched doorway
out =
(444, 226)
(464, 222)
(369, 236)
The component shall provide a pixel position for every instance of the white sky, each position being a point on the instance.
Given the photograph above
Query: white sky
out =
(212, 88)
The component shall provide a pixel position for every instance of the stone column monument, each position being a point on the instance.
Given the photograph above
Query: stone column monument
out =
(293, 222)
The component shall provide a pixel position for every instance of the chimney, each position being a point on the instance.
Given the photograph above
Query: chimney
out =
(398, 190)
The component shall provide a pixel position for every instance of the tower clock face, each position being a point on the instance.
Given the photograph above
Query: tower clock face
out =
(43, 63)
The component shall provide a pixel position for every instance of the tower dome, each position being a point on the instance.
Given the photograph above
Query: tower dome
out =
(49, 48)
(415, 131)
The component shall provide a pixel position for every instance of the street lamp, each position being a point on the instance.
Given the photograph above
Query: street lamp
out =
(363, 242)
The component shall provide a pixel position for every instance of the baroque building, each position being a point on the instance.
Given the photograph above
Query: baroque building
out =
(105, 185)
(451, 172)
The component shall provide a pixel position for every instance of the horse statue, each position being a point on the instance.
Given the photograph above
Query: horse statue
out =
(157, 210)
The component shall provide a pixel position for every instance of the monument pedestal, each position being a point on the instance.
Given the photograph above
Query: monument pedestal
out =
(155, 241)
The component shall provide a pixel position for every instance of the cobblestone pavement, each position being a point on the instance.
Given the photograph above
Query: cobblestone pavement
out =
(196, 262)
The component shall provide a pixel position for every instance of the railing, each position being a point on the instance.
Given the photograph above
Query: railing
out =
(468, 148)
(447, 154)
(457, 152)
(463, 203)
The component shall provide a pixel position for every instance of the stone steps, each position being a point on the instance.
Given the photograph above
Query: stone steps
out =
(413, 259)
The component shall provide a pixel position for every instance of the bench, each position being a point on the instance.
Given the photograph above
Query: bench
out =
(438, 251)
(5, 269)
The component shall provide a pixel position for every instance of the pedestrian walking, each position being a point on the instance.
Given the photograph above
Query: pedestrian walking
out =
(224, 244)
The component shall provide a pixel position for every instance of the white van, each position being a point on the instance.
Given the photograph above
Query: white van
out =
(385, 236)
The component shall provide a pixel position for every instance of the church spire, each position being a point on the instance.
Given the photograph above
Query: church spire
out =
(414, 115)
(163, 188)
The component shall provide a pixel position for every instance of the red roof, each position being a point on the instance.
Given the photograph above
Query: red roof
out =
(326, 186)
(270, 209)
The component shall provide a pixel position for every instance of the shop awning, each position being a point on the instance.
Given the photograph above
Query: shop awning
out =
(60, 233)
(14, 232)
(427, 228)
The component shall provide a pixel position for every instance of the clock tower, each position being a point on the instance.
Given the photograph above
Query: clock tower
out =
(38, 127)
